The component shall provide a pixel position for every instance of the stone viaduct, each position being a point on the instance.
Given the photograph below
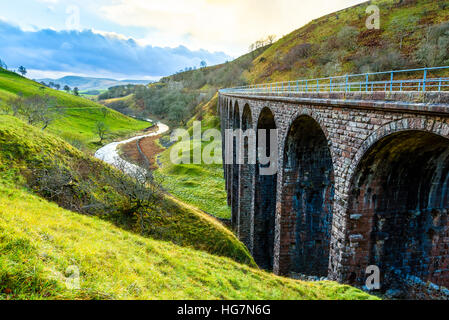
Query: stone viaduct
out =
(362, 180)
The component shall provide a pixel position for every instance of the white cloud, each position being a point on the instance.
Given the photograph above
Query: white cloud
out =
(91, 52)
(224, 25)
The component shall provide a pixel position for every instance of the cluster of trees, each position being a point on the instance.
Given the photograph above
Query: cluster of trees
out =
(22, 70)
(57, 86)
(168, 102)
(262, 43)
(36, 110)
(118, 92)
(203, 64)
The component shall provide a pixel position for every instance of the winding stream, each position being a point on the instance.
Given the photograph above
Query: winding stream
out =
(109, 152)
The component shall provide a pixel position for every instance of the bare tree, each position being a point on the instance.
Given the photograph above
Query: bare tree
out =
(142, 190)
(22, 70)
(102, 130)
(270, 39)
(35, 109)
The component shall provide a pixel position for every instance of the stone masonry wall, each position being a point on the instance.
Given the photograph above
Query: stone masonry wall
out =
(351, 124)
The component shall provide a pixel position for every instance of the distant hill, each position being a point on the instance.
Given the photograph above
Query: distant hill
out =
(78, 116)
(87, 83)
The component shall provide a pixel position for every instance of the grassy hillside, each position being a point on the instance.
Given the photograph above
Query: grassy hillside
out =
(77, 117)
(40, 241)
(412, 34)
(184, 254)
(201, 185)
(90, 187)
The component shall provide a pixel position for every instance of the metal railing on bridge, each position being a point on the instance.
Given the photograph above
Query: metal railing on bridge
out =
(424, 79)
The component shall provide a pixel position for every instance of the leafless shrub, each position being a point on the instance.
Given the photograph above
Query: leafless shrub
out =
(102, 130)
(301, 51)
(35, 109)
(141, 190)
(434, 48)
(56, 183)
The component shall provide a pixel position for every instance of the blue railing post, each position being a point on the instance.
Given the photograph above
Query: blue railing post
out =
(424, 80)
(297, 85)
(347, 80)
(330, 83)
(391, 81)
(439, 85)
(366, 82)
(306, 85)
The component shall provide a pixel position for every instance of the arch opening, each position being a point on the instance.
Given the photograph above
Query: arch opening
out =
(397, 213)
(228, 166)
(265, 201)
(247, 174)
(307, 198)
(235, 168)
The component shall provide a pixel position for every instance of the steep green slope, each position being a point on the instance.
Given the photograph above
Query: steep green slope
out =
(412, 34)
(90, 187)
(77, 117)
(43, 245)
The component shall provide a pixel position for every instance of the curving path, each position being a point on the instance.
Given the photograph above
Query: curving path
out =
(109, 153)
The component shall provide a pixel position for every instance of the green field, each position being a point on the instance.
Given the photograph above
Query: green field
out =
(78, 116)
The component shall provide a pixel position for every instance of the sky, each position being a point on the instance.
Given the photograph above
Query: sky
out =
(142, 39)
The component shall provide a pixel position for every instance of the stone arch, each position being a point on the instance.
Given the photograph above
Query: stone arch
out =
(396, 215)
(246, 185)
(418, 124)
(257, 113)
(306, 198)
(235, 167)
(265, 200)
(315, 116)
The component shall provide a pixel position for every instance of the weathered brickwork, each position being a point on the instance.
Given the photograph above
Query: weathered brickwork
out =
(246, 186)
(362, 180)
(265, 201)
